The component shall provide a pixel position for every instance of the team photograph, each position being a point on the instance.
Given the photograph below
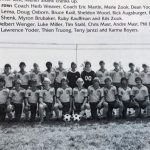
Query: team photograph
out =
(73, 108)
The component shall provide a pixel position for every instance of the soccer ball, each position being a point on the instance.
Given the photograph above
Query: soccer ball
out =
(67, 118)
(76, 117)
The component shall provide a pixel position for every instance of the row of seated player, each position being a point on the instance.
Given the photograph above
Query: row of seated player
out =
(75, 101)
(56, 74)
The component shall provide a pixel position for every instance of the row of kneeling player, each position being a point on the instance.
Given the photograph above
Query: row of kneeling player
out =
(72, 101)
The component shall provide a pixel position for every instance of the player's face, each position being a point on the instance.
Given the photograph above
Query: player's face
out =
(138, 82)
(64, 83)
(79, 84)
(33, 85)
(60, 65)
(102, 65)
(17, 85)
(22, 67)
(74, 66)
(96, 83)
(46, 84)
(88, 66)
(35, 67)
(49, 67)
(7, 69)
(108, 82)
(124, 83)
(116, 66)
(132, 67)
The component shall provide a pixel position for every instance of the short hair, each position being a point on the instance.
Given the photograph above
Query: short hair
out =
(144, 65)
(87, 63)
(48, 64)
(108, 78)
(73, 63)
(123, 79)
(115, 63)
(7, 65)
(22, 64)
(138, 78)
(101, 62)
(96, 79)
(131, 64)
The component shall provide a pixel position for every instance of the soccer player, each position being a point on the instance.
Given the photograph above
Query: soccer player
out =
(73, 75)
(95, 96)
(36, 74)
(116, 75)
(49, 73)
(124, 95)
(111, 97)
(23, 76)
(4, 102)
(8, 76)
(17, 96)
(31, 102)
(88, 75)
(145, 75)
(47, 99)
(80, 95)
(131, 75)
(64, 97)
(140, 97)
(60, 73)
(102, 73)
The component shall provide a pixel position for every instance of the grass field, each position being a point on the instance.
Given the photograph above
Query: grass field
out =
(112, 135)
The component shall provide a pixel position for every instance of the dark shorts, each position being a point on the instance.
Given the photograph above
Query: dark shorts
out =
(93, 107)
(3, 110)
(25, 87)
(17, 109)
(10, 88)
(66, 107)
(77, 108)
(102, 85)
(49, 107)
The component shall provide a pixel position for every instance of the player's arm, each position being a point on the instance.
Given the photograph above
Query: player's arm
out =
(26, 99)
(147, 95)
(119, 94)
(132, 96)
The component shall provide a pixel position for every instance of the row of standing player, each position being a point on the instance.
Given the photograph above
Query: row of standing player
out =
(72, 75)
(73, 101)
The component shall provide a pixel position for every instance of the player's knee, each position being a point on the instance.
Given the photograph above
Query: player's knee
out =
(9, 108)
(105, 104)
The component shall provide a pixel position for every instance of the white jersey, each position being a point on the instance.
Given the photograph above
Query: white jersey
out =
(37, 76)
(140, 94)
(116, 76)
(23, 77)
(17, 96)
(95, 95)
(145, 77)
(60, 74)
(110, 94)
(102, 75)
(131, 77)
(9, 78)
(79, 95)
(4, 94)
(64, 95)
(124, 93)
(51, 75)
(47, 95)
